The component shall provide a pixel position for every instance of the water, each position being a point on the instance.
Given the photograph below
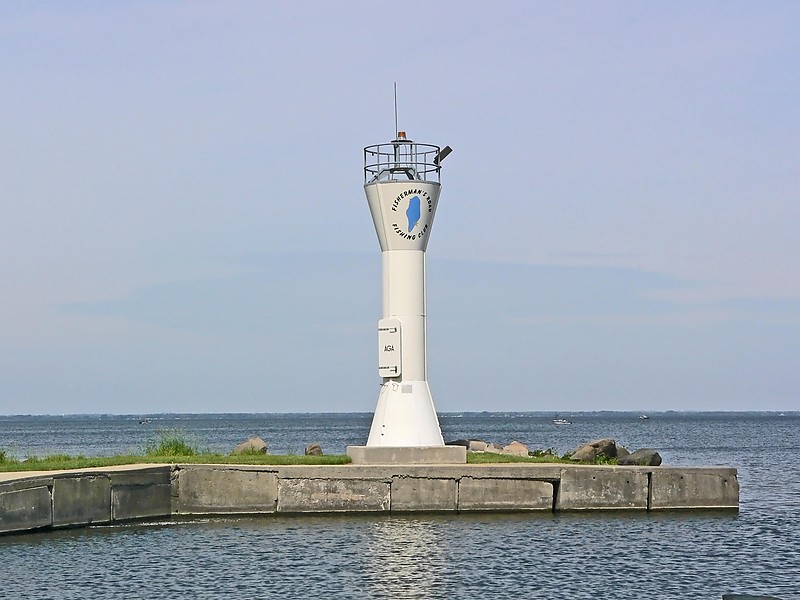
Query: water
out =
(681, 554)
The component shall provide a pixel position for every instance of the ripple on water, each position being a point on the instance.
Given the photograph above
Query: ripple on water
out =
(659, 556)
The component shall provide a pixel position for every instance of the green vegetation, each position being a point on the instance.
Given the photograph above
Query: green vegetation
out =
(170, 443)
(602, 459)
(57, 462)
(255, 452)
(171, 447)
(550, 452)
(479, 458)
(60, 462)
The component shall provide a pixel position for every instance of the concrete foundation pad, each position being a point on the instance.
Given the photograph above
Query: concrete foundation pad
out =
(693, 488)
(333, 495)
(83, 497)
(423, 494)
(141, 494)
(25, 509)
(598, 488)
(427, 455)
(81, 500)
(204, 489)
(489, 494)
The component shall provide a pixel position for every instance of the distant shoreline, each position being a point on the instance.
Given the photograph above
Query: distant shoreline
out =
(498, 413)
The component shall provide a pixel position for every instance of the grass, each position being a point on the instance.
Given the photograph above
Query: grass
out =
(172, 447)
(169, 447)
(170, 443)
(604, 460)
(58, 462)
(480, 458)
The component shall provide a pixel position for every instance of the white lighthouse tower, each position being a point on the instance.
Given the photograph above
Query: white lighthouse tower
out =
(402, 184)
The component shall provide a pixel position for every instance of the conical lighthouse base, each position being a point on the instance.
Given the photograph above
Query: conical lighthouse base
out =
(405, 416)
(405, 430)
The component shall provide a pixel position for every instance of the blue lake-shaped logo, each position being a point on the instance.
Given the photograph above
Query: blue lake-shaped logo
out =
(413, 213)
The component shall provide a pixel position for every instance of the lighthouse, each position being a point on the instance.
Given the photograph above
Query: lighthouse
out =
(402, 185)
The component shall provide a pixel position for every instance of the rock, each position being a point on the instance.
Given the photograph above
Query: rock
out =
(313, 450)
(589, 452)
(464, 443)
(516, 449)
(477, 446)
(585, 453)
(622, 452)
(253, 445)
(494, 448)
(645, 457)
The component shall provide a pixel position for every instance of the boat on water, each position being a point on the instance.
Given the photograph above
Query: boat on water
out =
(561, 422)
(643, 417)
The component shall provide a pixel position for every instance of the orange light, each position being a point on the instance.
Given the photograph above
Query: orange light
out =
(401, 135)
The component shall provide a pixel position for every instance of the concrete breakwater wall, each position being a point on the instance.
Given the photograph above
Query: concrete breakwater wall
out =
(30, 501)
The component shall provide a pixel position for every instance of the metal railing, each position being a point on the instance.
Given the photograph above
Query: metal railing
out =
(401, 160)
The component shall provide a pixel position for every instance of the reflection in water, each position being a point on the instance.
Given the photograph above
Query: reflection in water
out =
(403, 554)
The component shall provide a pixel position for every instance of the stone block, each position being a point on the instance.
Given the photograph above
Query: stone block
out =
(140, 502)
(81, 500)
(504, 494)
(333, 495)
(423, 494)
(210, 489)
(694, 488)
(25, 509)
(141, 476)
(602, 488)
(12, 482)
(141, 494)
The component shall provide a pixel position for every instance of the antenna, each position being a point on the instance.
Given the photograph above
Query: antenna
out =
(395, 109)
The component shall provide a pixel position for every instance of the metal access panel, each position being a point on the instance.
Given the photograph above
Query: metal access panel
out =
(389, 351)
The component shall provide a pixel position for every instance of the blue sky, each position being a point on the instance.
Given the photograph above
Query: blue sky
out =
(184, 226)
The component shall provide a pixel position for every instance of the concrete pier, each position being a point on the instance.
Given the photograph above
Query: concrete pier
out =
(32, 501)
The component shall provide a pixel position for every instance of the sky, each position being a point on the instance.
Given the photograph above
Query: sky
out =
(184, 227)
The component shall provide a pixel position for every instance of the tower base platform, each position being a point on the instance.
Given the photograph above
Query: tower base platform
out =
(425, 455)
(32, 501)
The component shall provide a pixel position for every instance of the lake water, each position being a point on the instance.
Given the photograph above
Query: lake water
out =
(679, 554)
